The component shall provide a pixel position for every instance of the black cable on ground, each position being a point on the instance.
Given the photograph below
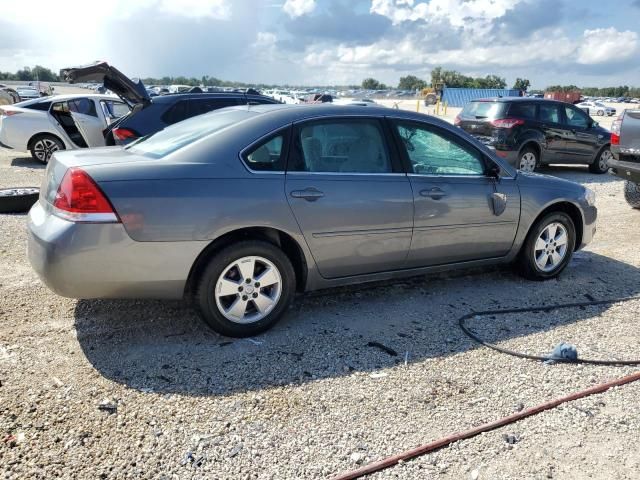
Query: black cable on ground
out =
(462, 323)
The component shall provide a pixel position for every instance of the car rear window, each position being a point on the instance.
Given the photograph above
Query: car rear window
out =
(190, 108)
(177, 136)
(38, 106)
(483, 109)
(522, 110)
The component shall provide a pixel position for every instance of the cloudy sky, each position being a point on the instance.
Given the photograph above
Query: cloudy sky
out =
(315, 42)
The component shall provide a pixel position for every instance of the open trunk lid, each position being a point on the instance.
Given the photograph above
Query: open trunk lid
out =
(630, 132)
(132, 91)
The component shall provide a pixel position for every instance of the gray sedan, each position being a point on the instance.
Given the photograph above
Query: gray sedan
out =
(239, 209)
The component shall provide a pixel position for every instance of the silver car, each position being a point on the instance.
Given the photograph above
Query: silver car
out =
(239, 209)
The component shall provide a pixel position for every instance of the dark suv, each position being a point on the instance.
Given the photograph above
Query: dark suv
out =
(151, 114)
(530, 132)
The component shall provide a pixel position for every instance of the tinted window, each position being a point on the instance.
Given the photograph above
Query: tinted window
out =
(549, 112)
(84, 106)
(39, 106)
(190, 108)
(348, 146)
(483, 109)
(575, 117)
(436, 152)
(268, 156)
(522, 110)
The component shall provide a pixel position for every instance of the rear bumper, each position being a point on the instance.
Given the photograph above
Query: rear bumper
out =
(82, 260)
(627, 170)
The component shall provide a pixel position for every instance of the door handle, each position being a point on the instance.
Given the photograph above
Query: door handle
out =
(310, 194)
(435, 193)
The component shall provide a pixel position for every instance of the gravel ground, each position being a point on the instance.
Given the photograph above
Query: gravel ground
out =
(140, 389)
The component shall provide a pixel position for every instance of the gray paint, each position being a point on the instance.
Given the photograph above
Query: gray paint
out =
(364, 227)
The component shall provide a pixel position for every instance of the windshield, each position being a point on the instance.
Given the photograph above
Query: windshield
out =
(186, 132)
(483, 109)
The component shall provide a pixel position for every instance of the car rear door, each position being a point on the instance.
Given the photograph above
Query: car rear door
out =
(582, 141)
(555, 132)
(346, 188)
(89, 123)
(461, 213)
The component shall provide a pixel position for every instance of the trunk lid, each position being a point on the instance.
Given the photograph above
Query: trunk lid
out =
(132, 91)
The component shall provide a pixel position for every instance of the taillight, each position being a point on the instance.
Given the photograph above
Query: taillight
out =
(79, 199)
(507, 122)
(457, 120)
(8, 113)
(123, 134)
(615, 131)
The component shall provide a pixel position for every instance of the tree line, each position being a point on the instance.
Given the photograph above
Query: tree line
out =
(450, 78)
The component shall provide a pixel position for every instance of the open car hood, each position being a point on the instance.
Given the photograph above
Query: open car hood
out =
(132, 91)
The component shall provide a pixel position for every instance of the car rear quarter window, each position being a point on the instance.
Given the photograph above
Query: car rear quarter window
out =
(268, 155)
(523, 110)
(480, 109)
(44, 106)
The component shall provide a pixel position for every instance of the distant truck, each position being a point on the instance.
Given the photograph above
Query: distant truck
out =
(625, 147)
(568, 97)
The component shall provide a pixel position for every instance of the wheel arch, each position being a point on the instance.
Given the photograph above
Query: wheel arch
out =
(45, 134)
(599, 151)
(531, 143)
(277, 237)
(570, 209)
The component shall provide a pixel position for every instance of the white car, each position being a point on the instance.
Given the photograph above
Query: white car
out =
(63, 122)
(597, 108)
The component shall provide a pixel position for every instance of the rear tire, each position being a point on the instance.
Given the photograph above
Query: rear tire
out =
(18, 200)
(43, 146)
(548, 248)
(528, 160)
(601, 163)
(600, 113)
(632, 193)
(230, 298)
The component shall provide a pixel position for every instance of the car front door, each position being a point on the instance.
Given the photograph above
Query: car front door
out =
(89, 123)
(555, 133)
(346, 188)
(462, 213)
(582, 140)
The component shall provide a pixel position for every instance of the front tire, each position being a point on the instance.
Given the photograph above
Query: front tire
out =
(601, 164)
(528, 160)
(245, 288)
(548, 247)
(632, 193)
(43, 146)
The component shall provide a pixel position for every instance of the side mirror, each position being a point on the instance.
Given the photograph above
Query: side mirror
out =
(493, 170)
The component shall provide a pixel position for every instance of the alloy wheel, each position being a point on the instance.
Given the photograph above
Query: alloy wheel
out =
(44, 148)
(528, 162)
(603, 161)
(248, 289)
(550, 248)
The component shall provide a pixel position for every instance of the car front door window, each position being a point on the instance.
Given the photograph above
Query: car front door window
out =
(575, 118)
(438, 153)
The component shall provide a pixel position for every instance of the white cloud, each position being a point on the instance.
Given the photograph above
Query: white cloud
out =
(457, 12)
(296, 8)
(607, 45)
(265, 40)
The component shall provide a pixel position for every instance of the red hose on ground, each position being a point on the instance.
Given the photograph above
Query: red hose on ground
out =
(430, 447)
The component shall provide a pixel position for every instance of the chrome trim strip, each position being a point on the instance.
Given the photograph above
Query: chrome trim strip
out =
(346, 233)
(349, 174)
(461, 225)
